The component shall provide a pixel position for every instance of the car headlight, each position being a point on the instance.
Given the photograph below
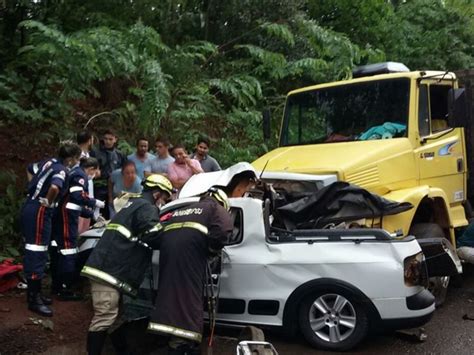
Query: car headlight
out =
(414, 270)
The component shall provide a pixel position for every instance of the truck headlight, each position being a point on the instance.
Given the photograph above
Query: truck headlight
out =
(414, 270)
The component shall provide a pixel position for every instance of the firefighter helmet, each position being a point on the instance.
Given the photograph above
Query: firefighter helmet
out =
(220, 196)
(158, 181)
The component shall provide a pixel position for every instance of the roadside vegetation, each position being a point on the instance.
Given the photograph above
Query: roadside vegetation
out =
(180, 68)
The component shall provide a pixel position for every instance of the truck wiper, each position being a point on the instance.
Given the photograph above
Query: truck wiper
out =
(432, 76)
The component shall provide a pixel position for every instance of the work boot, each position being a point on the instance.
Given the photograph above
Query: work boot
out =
(35, 302)
(119, 340)
(95, 342)
(48, 301)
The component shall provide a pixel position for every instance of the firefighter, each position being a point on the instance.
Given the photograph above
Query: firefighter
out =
(119, 261)
(43, 191)
(74, 204)
(189, 237)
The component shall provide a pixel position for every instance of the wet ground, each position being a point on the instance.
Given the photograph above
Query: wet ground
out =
(20, 332)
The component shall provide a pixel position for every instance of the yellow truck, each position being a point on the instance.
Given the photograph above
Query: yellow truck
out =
(398, 133)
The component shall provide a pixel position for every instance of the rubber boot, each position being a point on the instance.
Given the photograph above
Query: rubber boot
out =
(46, 300)
(65, 292)
(95, 342)
(35, 302)
(119, 340)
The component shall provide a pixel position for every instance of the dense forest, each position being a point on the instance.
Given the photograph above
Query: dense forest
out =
(180, 68)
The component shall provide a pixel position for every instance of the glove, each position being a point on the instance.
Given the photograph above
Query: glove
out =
(45, 202)
(96, 214)
(99, 204)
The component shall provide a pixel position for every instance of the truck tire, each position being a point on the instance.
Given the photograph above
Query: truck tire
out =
(331, 319)
(438, 286)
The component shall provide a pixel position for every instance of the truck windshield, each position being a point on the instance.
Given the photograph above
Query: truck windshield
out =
(353, 112)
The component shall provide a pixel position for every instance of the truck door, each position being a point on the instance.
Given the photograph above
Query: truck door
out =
(441, 154)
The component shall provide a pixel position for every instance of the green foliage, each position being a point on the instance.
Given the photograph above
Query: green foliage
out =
(10, 204)
(182, 68)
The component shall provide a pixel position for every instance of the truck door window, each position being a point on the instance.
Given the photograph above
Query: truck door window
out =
(439, 107)
(423, 112)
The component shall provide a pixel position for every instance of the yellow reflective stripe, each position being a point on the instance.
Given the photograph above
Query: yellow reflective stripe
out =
(119, 228)
(103, 276)
(182, 333)
(202, 228)
(156, 228)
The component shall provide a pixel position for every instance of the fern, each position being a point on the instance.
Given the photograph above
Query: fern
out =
(281, 32)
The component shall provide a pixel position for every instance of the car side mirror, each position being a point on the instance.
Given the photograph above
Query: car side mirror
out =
(266, 124)
(458, 114)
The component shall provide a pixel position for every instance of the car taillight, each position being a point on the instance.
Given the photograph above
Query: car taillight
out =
(415, 272)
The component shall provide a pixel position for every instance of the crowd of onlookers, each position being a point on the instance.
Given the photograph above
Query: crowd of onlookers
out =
(119, 173)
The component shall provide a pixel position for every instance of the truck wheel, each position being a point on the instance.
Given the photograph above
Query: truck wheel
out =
(332, 320)
(438, 286)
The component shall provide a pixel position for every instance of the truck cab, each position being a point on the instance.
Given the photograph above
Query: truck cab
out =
(389, 130)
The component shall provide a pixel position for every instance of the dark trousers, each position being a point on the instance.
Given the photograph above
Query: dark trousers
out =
(36, 229)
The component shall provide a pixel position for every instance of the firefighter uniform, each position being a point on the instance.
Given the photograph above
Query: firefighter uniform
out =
(74, 204)
(121, 258)
(36, 216)
(188, 238)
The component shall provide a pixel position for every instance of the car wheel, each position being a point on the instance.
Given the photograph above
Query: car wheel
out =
(438, 285)
(333, 320)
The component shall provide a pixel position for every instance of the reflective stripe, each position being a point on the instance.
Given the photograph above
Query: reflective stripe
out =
(69, 251)
(73, 206)
(76, 188)
(119, 228)
(200, 227)
(35, 168)
(40, 183)
(103, 276)
(53, 243)
(182, 333)
(35, 247)
(156, 228)
(59, 176)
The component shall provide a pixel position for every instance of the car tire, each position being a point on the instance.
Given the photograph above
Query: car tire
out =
(438, 286)
(332, 319)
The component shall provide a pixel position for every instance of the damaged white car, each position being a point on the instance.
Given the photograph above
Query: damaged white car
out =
(333, 284)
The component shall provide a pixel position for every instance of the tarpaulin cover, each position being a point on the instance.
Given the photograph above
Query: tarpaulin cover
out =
(8, 275)
(339, 202)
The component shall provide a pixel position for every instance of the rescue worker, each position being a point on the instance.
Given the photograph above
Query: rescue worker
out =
(43, 191)
(119, 261)
(75, 203)
(189, 237)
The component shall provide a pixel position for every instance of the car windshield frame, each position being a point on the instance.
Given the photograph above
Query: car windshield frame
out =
(382, 107)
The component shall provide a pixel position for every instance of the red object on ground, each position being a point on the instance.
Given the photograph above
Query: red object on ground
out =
(9, 274)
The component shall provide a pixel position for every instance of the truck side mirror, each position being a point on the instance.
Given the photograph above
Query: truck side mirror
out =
(458, 114)
(266, 124)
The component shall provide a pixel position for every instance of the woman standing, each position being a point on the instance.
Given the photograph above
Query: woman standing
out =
(123, 180)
